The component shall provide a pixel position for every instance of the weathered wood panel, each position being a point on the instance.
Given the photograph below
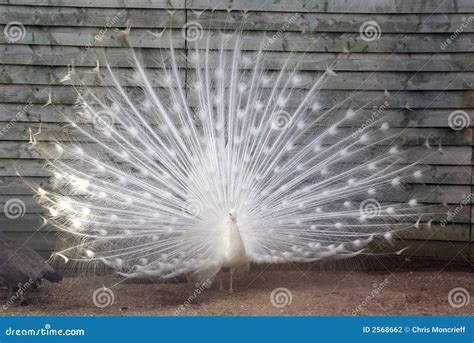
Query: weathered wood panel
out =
(303, 21)
(354, 80)
(322, 22)
(117, 57)
(96, 17)
(287, 41)
(62, 94)
(426, 79)
(338, 6)
(169, 4)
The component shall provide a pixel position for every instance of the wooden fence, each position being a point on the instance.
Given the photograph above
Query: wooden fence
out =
(421, 58)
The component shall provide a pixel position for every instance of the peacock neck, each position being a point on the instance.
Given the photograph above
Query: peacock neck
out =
(234, 251)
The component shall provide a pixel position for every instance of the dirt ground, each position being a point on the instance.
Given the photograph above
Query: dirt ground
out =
(312, 292)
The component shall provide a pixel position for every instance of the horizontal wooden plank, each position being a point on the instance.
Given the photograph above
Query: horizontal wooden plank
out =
(440, 214)
(456, 175)
(36, 75)
(24, 94)
(337, 6)
(27, 223)
(118, 57)
(452, 232)
(13, 185)
(298, 21)
(352, 42)
(457, 251)
(287, 41)
(325, 6)
(436, 194)
(12, 113)
(325, 22)
(33, 224)
(448, 155)
(93, 17)
(459, 175)
(410, 137)
(68, 36)
(39, 240)
(457, 230)
(168, 4)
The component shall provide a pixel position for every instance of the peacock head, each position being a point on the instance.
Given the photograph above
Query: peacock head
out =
(233, 215)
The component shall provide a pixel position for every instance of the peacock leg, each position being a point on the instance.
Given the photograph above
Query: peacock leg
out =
(232, 271)
(221, 285)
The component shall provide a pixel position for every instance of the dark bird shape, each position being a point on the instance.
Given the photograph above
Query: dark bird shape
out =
(22, 268)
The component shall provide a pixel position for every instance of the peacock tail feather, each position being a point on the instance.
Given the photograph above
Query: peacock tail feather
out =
(153, 164)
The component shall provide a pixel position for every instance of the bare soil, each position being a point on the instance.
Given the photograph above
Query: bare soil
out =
(313, 293)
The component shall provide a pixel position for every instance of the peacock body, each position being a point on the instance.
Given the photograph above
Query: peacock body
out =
(22, 268)
(236, 164)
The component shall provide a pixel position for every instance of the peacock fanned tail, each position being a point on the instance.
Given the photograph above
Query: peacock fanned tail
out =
(145, 179)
